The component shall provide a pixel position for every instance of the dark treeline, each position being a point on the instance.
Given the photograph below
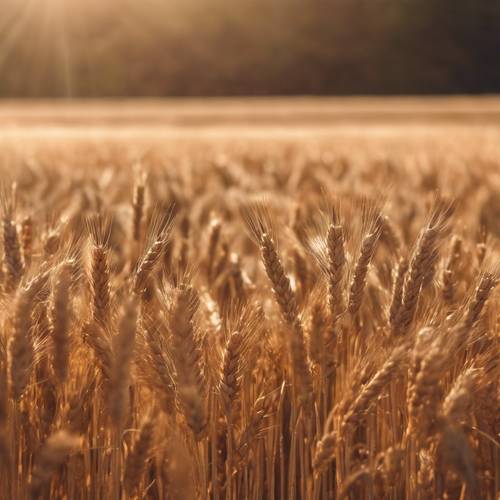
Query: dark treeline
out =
(248, 47)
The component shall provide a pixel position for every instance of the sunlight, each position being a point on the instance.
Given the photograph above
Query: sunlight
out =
(40, 28)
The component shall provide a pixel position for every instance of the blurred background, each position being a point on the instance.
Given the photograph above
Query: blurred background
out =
(118, 48)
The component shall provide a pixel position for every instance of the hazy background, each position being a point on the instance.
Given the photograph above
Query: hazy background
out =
(112, 48)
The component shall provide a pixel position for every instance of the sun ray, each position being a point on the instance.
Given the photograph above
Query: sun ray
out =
(16, 30)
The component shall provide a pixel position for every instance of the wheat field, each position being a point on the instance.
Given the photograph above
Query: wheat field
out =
(307, 312)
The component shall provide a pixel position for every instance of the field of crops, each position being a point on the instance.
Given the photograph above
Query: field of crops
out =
(287, 299)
